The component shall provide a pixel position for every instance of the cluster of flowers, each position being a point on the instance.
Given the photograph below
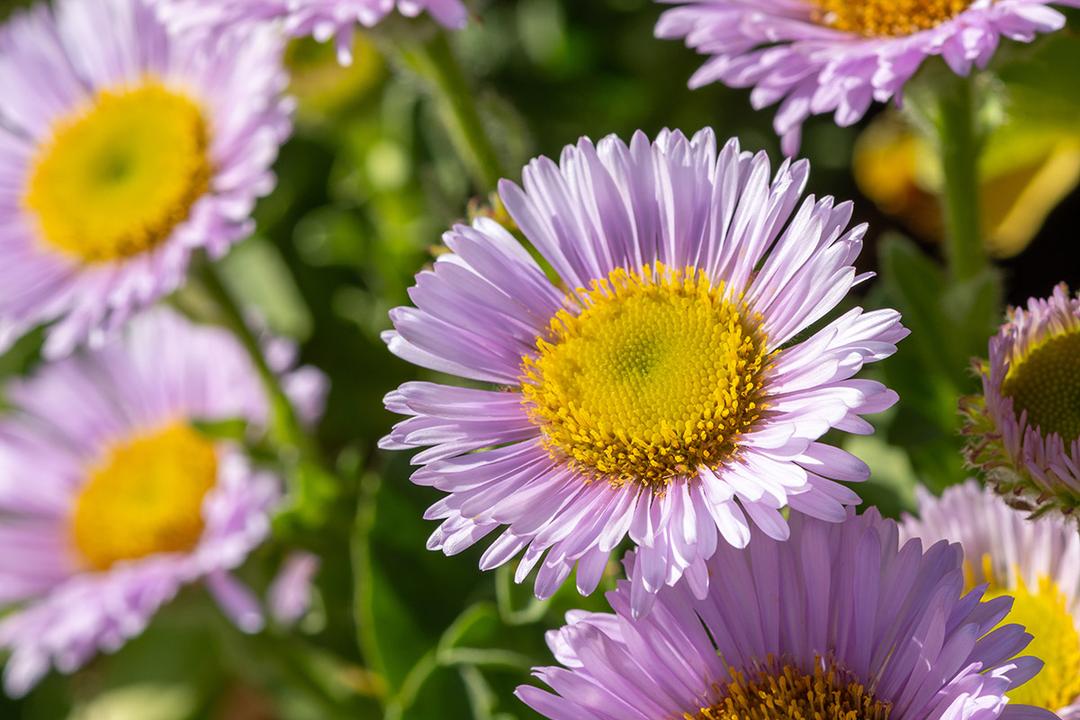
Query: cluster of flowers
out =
(672, 386)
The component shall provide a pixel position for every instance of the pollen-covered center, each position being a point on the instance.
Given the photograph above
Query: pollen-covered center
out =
(787, 693)
(144, 497)
(119, 175)
(657, 375)
(1044, 613)
(886, 18)
(1046, 383)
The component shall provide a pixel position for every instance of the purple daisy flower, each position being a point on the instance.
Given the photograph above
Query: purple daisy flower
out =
(322, 19)
(839, 56)
(1035, 561)
(111, 500)
(837, 623)
(1024, 431)
(124, 148)
(665, 387)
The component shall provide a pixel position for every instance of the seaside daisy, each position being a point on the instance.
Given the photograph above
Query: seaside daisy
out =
(668, 381)
(838, 623)
(322, 19)
(124, 149)
(1035, 561)
(112, 497)
(839, 56)
(1023, 432)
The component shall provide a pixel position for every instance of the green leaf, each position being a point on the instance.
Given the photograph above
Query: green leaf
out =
(1040, 81)
(257, 274)
(973, 310)
(891, 487)
(915, 282)
(950, 324)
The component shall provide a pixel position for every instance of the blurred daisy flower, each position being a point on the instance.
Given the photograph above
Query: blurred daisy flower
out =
(1024, 430)
(125, 148)
(111, 499)
(1035, 561)
(836, 623)
(668, 387)
(321, 19)
(839, 56)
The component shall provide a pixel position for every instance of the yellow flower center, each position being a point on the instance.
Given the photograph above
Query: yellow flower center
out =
(886, 18)
(657, 375)
(1046, 383)
(118, 176)
(786, 693)
(1044, 611)
(145, 497)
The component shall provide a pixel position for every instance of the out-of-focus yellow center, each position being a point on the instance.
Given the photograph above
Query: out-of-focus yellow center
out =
(886, 18)
(787, 693)
(1044, 611)
(144, 497)
(119, 175)
(656, 376)
(1046, 383)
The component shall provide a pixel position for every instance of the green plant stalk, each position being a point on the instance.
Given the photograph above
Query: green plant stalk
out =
(286, 430)
(960, 145)
(437, 65)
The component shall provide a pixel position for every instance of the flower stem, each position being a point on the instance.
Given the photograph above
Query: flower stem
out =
(959, 143)
(435, 62)
(286, 430)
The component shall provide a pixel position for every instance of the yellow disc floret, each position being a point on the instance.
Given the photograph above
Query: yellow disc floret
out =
(787, 693)
(144, 497)
(1046, 383)
(1044, 612)
(658, 374)
(886, 18)
(120, 174)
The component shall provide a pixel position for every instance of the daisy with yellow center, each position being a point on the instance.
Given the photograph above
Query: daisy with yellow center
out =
(112, 499)
(1036, 563)
(1024, 430)
(115, 180)
(652, 390)
(126, 147)
(839, 56)
(658, 374)
(145, 497)
(842, 622)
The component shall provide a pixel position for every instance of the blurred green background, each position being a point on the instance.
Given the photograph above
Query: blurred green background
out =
(367, 185)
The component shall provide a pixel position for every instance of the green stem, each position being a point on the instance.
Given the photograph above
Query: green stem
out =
(286, 430)
(434, 61)
(959, 143)
(322, 678)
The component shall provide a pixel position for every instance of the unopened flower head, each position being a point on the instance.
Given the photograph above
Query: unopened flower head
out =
(839, 56)
(1023, 432)
(125, 148)
(838, 623)
(660, 383)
